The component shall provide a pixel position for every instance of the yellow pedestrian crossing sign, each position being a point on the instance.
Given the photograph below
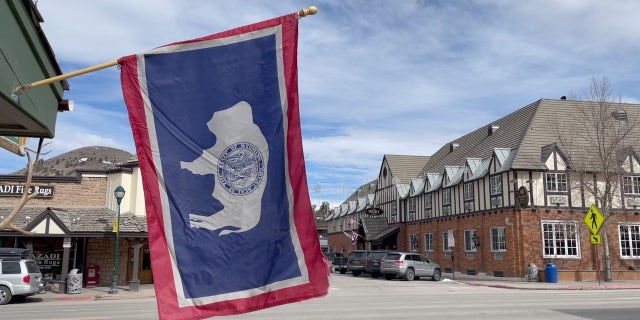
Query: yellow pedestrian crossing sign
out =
(594, 220)
(595, 239)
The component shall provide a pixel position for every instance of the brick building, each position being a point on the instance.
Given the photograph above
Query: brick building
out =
(70, 224)
(514, 192)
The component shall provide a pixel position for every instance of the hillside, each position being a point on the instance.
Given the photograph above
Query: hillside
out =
(86, 158)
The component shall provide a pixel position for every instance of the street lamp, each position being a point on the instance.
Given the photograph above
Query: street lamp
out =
(119, 194)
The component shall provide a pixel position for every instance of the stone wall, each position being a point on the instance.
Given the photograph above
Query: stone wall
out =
(100, 253)
(85, 192)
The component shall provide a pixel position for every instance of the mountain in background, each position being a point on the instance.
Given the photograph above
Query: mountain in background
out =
(86, 158)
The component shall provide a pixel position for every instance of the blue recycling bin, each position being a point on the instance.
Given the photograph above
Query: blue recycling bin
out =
(551, 273)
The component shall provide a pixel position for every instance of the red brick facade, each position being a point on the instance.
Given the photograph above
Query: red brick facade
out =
(523, 231)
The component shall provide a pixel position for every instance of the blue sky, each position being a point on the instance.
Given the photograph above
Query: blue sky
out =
(375, 77)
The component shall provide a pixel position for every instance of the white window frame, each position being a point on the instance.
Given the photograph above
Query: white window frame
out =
(495, 182)
(469, 245)
(468, 191)
(446, 197)
(394, 212)
(428, 242)
(445, 242)
(498, 239)
(560, 239)
(556, 181)
(413, 242)
(631, 185)
(428, 201)
(629, 237)
(412, 208)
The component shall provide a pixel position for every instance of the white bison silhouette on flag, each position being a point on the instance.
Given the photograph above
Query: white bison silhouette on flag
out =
(239, 160)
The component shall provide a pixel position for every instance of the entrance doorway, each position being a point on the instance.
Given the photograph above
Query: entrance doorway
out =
(144, 268)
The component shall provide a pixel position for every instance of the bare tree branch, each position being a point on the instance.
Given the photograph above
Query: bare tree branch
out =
(26, 197)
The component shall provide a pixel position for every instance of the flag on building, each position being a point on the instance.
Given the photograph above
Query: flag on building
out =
(351, 221)
(354, 237)
(217, 132)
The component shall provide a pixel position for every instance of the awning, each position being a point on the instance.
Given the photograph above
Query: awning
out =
(385, 234)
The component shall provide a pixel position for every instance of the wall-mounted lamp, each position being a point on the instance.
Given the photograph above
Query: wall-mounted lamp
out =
(476, 240)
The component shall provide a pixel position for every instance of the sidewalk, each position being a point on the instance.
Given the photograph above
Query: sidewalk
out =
(100, 293)
(518, 283)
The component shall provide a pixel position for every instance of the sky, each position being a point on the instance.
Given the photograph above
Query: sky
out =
(375, 77)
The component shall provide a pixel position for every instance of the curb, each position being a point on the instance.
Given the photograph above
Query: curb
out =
(566, 287)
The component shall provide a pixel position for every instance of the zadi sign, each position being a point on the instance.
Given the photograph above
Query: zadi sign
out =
(373, 211)
(8, 190)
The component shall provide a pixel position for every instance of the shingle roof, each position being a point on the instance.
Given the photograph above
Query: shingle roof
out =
(373, 225)
(564, 118)
(522, 135)
(78, 220)
(480, 144)
(404, 167)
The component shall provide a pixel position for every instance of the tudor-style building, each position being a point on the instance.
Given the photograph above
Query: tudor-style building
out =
(517, 191)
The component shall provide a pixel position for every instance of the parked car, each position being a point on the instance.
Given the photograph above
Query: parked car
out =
(19, 275)
(356, 262)
(372, 265)
(337, 262)
(410, 266)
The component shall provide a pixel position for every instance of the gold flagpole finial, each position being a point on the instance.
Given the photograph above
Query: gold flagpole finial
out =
(307, 11)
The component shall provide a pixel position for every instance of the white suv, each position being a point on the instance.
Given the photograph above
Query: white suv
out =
(19, 276)
(410, 266)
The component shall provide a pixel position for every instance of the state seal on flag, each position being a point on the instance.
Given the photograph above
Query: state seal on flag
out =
(241, 168)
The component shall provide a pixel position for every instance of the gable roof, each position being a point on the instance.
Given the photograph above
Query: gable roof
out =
(404, 167)
(480, 144)
(522, 136)
(76, 221)
(567, 119)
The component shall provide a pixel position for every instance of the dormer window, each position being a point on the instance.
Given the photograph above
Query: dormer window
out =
(556, 182)
(446, 197)
(495, 183)
(631, 185)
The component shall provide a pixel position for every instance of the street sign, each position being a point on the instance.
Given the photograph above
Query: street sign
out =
(595, 239)
(373, 211)
(594, 219)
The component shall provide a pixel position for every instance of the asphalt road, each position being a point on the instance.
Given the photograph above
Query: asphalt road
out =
(366, 298)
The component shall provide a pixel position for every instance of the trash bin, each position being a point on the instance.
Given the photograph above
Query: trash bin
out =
(74, 281)
(532, 272)
(551, 273)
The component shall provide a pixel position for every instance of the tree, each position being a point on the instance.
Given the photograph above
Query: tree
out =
(596, 153)
(7, 223)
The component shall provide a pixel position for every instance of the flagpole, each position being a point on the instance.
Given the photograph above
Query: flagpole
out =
(21, 89)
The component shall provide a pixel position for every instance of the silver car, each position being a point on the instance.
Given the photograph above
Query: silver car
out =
(411, 266)
(19, 277)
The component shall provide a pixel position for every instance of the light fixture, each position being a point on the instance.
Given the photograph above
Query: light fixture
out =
(119, 194)
(475, 239)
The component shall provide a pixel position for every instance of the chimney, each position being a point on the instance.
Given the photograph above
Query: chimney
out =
(493, 128)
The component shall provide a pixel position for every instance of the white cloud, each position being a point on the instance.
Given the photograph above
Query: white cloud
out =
(388, 77)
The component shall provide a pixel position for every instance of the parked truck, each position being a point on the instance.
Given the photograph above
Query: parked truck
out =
(337, 262)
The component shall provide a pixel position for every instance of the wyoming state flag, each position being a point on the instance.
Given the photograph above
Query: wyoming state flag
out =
(217, 132)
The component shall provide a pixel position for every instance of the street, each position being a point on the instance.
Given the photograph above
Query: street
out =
(367, 298)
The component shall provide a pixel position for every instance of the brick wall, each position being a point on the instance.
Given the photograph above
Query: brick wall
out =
(87, 192)
(523, 230)
(100, 252)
